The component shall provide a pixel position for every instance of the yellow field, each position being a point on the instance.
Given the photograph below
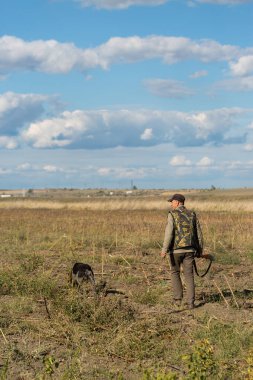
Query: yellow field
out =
(233, 200)
(131, 332)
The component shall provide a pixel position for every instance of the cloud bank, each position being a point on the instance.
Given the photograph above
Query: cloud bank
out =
(25, 120)
(54, 57)
(107, 129)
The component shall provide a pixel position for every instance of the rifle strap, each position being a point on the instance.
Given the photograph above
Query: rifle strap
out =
(196, 269)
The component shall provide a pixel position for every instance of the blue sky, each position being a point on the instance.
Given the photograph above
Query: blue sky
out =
(106, 93)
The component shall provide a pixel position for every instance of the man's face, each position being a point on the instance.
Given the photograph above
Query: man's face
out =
(174, 204)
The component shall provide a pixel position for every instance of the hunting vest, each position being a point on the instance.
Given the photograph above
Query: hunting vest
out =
(185, 230)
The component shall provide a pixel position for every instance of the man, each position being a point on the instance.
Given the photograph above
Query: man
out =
(183, 240)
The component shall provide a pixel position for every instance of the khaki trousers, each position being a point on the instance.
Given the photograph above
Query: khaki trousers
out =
(184, 259)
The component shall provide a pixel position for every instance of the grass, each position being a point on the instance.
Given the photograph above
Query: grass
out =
(49, 330)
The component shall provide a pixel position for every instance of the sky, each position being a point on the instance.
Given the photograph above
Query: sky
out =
(115, 93)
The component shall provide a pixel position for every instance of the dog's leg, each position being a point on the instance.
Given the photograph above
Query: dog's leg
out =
(93, 283)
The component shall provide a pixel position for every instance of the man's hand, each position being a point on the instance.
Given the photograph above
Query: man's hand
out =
(163, 254)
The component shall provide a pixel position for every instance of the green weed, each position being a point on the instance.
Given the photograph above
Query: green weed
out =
(153, 375)
(50, 365)
(201, 362)
(247, 372)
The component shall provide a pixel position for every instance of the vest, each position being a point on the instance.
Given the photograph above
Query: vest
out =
(185, 230)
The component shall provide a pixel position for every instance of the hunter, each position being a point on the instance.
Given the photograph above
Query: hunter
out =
(183, 241)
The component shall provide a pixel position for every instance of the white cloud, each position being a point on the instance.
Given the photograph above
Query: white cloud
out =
(47, 56)
(104, 171)
(57, 132)
(149, 165)
(44, 168)
(243, 84)
(8, 142)
(204, 162)
(183, 171)
(199, 74)
(18, 109)
(185, 166)
(4, 171)
(88, 77)
(244, 66)
(130, 173)
(25, 166)
(127, 173)
(51, 168)
(248, 147)
(167, 88)
(51, 56)
(147, 134)
(236, 168)
(119, 4)
(169, 49)
(179, 161)
(232, 165)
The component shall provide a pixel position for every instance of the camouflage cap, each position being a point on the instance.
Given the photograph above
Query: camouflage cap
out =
(177, 197)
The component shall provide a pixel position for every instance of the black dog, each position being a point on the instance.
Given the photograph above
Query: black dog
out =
(82, 273)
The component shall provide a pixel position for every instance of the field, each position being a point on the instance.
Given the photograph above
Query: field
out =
(130, 330)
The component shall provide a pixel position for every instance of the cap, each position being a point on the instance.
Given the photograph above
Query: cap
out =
(177, 197)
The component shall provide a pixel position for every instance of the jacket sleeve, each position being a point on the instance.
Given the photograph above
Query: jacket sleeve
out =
(168, 235)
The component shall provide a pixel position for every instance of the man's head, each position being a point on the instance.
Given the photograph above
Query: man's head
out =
(176, 200)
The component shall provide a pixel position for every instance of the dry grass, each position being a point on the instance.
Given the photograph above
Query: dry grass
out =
(128, 204)
(49, 330)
